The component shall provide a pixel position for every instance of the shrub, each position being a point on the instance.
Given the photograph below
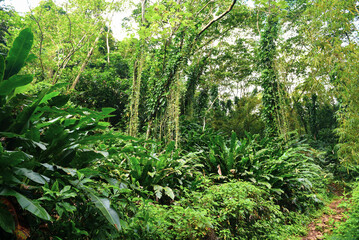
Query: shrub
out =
(154, 221)
(235, 210)
(239, 210)
(350, 228)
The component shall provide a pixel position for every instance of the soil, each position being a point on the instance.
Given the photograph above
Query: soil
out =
(326, 223)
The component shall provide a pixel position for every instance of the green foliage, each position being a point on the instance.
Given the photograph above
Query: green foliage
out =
(99, 89)
(239, 210)
(18, 53)
(222, 158)
(288, 169)
(350, 228)
(318, 119)
(27, 204)
(169, 222)
(7, 222)
(268, 80)
(103, 204)
(43, 143)
(194, 137)
(65, 175)
(159, 175)
(235, 210)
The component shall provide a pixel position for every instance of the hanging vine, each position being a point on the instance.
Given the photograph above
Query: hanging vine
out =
(137, 75)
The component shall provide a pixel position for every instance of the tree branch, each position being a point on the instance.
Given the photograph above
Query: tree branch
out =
(217, 18)
(210, 1)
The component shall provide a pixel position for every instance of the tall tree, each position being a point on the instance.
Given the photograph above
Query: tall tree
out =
(65, 37)
(268, 79)
(173, 33)
(333, 57)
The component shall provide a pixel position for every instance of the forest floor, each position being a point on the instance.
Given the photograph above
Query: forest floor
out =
(325, 224)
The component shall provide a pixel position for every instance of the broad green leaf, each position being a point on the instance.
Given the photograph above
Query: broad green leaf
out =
(59, 101)
(169, 193)
(34, 135)
(108, 110)
(103, 204)
(6, 87)
(65, 189)
(30, 57)
(23, 89)
(27, 204)
(55, 186)
(32, 175)
(48, 166)
(23, 119)
(59, 209)
(69, 171)
(42, 146)
(11, 135)
(13, 158)
(158, 191)
(2, 68)
(7, 222)
(18, 53)
(49, 96)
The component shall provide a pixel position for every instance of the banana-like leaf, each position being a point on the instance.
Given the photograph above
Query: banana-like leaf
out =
(30, 58)
(27, 204)
(2, 68)
(6, 87)
(103, 204)
(18, 53)
(34, 176)
(7, 222)
(23, 119)
(49, 96)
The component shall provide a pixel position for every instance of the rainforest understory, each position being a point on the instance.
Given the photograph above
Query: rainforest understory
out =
(226, 119)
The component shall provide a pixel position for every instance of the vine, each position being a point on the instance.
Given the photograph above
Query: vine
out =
(268, 79)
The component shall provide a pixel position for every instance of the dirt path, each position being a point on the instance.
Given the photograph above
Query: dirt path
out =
(326, 223)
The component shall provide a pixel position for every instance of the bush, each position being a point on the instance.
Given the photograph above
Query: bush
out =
(349, 230)
(154, 221)
(235, 210)
(239, 210)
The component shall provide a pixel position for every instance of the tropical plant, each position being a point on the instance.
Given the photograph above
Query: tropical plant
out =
(150, 172)
(43, 143)
(289, 169)
(221, 158)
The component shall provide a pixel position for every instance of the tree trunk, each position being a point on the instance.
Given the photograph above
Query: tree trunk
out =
(84, 64)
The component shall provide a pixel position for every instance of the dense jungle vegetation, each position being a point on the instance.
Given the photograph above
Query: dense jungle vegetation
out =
(226, 119)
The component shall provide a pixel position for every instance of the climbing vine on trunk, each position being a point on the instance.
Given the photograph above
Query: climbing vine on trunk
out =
(268, 79)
